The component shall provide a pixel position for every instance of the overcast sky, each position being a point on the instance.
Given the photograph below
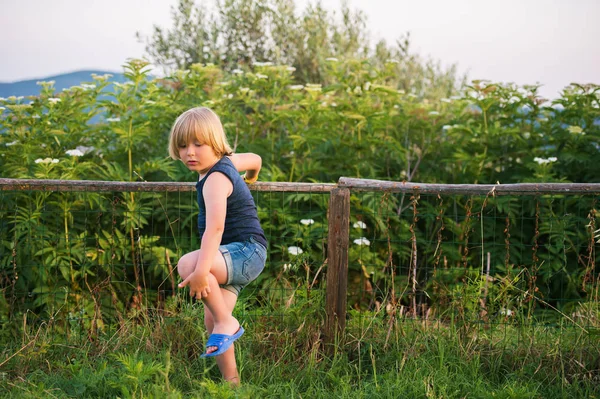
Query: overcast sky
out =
(553, 42)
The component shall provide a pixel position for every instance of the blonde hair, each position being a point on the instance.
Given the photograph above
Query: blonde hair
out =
(200, 124)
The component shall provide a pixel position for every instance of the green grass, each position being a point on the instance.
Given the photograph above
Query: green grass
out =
(156, 355)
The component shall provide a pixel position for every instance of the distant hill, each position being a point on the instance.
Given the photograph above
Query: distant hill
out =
(62, 81)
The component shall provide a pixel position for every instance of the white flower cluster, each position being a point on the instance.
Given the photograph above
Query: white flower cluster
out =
(307, 222)
(293, 250)
(263, 64)
(46, 160)
(362, 241)
(75, 153)
(576, 130)
(359, 225)
(543, 161)
(313, 87)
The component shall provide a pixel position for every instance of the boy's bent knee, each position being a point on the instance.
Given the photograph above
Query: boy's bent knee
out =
(186, 265)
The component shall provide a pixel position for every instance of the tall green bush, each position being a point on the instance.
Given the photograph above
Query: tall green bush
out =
(65, 252)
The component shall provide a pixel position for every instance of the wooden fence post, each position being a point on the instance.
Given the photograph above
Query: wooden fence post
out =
(337, 266)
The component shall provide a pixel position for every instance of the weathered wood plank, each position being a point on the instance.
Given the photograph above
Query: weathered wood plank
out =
(337, 266)
(104, 186)
(470, 189)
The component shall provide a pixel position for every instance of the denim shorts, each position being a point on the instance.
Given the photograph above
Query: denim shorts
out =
(244, 262)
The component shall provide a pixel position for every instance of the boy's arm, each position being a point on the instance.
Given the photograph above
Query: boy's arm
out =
(247, 162)
(216, 190)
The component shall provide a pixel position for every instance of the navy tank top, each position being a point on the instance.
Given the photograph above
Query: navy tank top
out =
(241, 220)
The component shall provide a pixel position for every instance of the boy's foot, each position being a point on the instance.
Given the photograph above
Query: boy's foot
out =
(231, 328)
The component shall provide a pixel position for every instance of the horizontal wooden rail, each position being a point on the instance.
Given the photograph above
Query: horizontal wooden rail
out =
(99, 186)
(345, 182)
(470, 189)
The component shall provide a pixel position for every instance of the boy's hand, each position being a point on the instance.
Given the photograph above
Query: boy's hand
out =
(251, 180)
(199, 287)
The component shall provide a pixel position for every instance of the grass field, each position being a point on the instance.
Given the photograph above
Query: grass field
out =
(156, 355)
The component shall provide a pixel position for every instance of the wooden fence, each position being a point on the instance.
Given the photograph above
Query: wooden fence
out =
(338, 215)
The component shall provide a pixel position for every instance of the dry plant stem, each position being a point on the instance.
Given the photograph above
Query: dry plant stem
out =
(32, 341)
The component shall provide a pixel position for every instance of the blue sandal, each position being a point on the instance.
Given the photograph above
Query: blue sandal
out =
(222, 342)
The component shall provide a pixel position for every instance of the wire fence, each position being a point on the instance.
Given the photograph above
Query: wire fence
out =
(88, 255)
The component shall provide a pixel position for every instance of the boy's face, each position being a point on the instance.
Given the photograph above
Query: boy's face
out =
(197, 157)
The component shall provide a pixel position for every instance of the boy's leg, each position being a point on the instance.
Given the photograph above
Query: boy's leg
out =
(219, 300)
(226, 361)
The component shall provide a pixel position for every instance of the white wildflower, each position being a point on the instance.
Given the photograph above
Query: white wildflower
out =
(2, 108)
(84, 149)
(446, 100)
(333, 104)
(261, 76)
(307, 222)
(113, 119)
(290, 69)
(575, 130)
(446, 127)
(53, 100)
(362, 241)
(506, 312)
(331, 59)
(296, 87)
(88, 86)
(46, 160)
(74, 153)
(12, 143)
(295, 250)
(237, 71)
(434, 113)
(35, 116)
(396, 106)
(543, 161)
(367, 86)
(359, 225)
(287, 267)
(263, 64)
(244, 90)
